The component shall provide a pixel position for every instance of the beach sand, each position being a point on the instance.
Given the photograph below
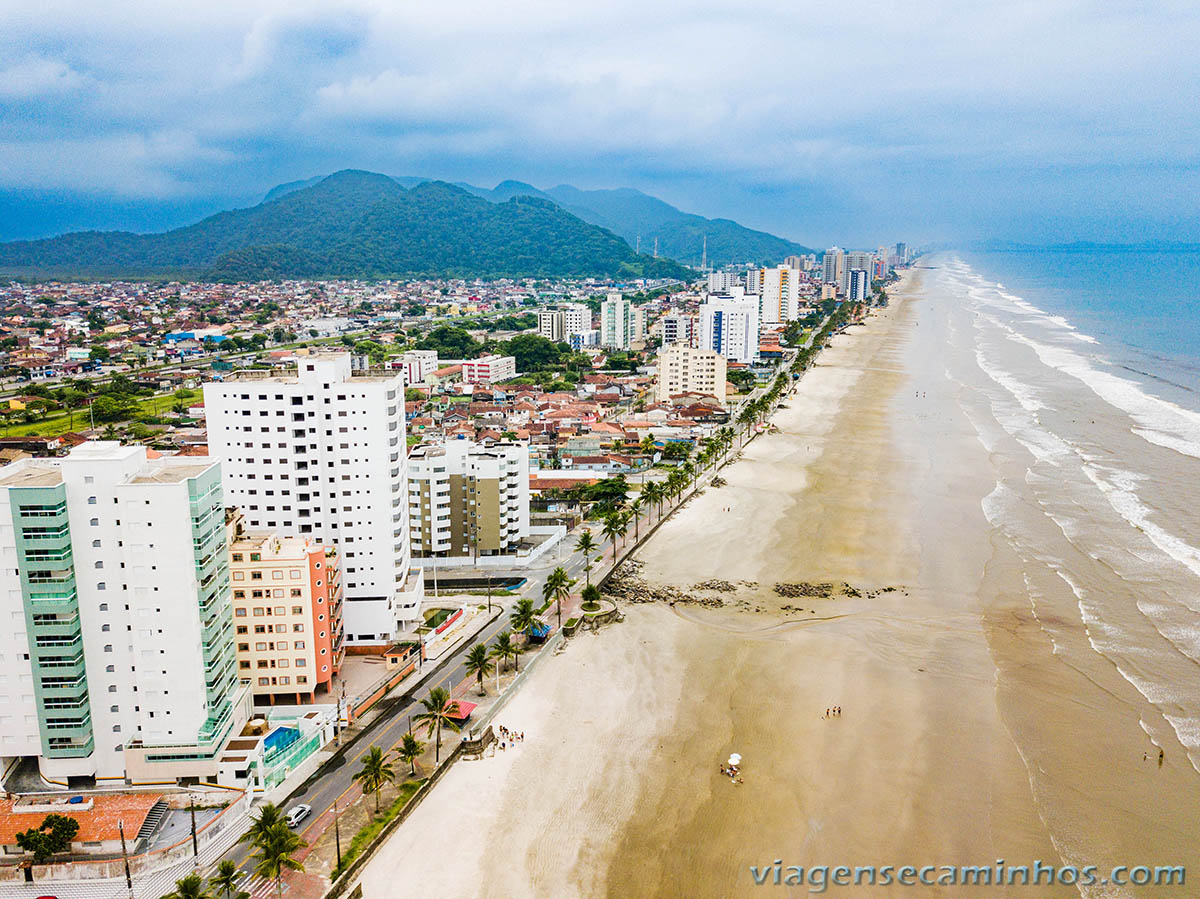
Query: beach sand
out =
(875, 479)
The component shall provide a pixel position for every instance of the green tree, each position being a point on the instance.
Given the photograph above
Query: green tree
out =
(190, 887)
(410, 750)
(275, 854)
(503, 648)
(52, 836)
(438, 710)
(224, 884)
(586, 544)
(99, 353)
(376, 771)
(591, 598)
(269, 815)
(112, 408)
(523, 617)
(556, 589)
(479, 663)
(613, 529)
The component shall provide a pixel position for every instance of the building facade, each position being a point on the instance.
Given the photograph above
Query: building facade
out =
(678, 328)
(682, 369)
(729, 326)
(469, 499)
(616, 322)
(833, 263)
(417, 365)
(119, 655)
(489, 369)
(287, 613)
(319, 453)
(780, 294)
(552, 325)
(576, 317)
(859, 285)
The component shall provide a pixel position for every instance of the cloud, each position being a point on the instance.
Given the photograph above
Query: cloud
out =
(748, 109)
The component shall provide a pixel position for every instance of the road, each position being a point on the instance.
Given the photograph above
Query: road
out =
(389, 728)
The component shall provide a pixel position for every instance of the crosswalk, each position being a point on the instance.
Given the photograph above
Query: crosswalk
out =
(257, 886)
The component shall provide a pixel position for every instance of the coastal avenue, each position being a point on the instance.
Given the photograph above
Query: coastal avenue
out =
(387, 730)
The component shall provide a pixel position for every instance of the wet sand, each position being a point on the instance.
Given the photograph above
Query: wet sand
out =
(875, 479)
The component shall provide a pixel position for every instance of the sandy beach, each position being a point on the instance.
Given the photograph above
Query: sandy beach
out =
(966, 735)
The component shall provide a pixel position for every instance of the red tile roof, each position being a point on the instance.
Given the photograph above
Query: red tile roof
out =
(95, 824)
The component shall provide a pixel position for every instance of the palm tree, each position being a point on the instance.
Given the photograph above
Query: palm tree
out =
(274, 855)
(268, 816)
(410, 750)
(613, 528)
(504, 648)
(224, 882)
(556, 589)
(479, 664)
(376, 771)
(438, 709)
(523, 617)
(190, 887)
(586, 544)
(653, 494)
(635, 512)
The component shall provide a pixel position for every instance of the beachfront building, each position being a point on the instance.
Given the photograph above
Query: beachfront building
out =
(469, 499)
(682, 369)
(489, 369)
(729, 326)
(118, 655)
(779, 290)
(319, 453)
(859, 285)
(855, 261)
(833, 263)
(417, 365)
(287, 613)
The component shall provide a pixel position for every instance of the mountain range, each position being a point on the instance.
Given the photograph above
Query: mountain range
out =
(356, 224)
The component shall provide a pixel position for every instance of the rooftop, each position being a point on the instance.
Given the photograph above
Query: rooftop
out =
(30, 476)
(97, 817)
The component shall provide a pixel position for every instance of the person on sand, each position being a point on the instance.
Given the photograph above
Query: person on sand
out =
(1161, 756)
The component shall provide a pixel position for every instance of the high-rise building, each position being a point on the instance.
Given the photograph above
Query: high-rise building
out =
(119, 654)
(902, 253)
(287, 613)
(469, 499)
(576, 317)
(682, 369)
(780, 294)
(552, 325)
(616, 322)
(723, 282)
(637, 324)
(581, 339)
(855, 260)
(730, 327)
(832, 265)
(753, 283)
(859, 285)
(320, 453)
(678, 328)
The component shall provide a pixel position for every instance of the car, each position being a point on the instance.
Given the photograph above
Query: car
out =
(297, 814)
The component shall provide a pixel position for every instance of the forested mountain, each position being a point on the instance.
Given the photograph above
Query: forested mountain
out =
(352, 224)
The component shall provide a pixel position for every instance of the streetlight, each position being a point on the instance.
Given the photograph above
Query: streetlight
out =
(337, 834)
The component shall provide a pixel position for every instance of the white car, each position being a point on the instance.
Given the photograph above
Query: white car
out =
(297, 814)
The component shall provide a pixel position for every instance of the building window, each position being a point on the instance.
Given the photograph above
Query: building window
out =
(297, 628)
(239, 612)
(297, 610)
(91, 500)
(264, 682)
(237, 557)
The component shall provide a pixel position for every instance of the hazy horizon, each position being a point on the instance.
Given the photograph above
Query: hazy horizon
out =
(856, 125)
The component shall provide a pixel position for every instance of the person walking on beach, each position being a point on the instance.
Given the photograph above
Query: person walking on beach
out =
(1161, 755)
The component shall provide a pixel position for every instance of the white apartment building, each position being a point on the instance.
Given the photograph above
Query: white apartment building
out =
(320, 453)
(833, 263)
(576, 317)
(581, 339)
(552, 325)
(856, 261)
(682, 369)
(860, 285)
(117, 655)
(678, 328)
(417, 365)
(616, 322)
(468, 499)
(729, 326)
(780, 293)
(489, 369)
(723, 282)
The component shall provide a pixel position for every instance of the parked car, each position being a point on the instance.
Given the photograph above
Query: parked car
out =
(297, 814)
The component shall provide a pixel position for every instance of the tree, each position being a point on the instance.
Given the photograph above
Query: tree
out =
(376, 771)
(635, 510)
(438, 709)
(648, 446)
(99, 353)
(224, 882)
(479, 663)
(556, 589)
(523, 617)
(586, 544)
(654, 493)
(52, 836)
(614, 527)
(274, 854)
(113, 408)
(269, 815)
(503, 648)
(410, 750)
(190, 887)
(591, 598)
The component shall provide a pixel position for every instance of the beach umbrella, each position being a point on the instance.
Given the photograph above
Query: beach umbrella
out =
(735, 759)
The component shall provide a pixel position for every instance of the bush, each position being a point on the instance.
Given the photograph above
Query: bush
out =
(591, 598)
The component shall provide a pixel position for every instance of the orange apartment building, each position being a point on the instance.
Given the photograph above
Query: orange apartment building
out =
(287, 613)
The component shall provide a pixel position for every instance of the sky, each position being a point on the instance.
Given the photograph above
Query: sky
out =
(854, 122)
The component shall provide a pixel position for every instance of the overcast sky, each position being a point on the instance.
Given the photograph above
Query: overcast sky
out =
(851, 122)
